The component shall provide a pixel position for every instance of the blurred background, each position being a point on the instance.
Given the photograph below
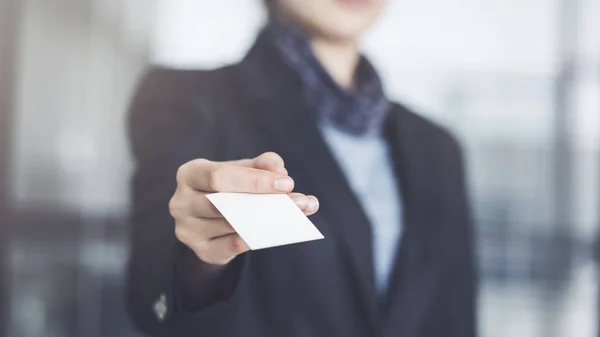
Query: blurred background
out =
(517, 81)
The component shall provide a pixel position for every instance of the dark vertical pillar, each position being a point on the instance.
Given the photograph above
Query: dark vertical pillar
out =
(7, 65)
(562, 179)
(9, 21)
(568, 36)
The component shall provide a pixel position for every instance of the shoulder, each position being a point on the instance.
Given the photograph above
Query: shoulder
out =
(169, 109)
(161, 83)
(437, 154)
(174, 94)
(433, 140)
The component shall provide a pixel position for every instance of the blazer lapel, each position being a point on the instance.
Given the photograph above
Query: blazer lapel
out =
(413, 277)
(291, 130)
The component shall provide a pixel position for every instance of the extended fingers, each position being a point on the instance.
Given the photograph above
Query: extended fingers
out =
(308, 204)
(204, 175)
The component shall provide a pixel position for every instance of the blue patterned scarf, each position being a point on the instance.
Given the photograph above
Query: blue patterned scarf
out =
(361, 111)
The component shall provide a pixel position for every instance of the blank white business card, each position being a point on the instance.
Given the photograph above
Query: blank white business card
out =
(265, 220)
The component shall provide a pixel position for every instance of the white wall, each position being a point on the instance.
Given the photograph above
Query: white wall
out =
(426, 35)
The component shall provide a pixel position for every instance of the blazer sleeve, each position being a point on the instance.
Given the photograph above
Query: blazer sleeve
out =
(456, 311)
(168, 127)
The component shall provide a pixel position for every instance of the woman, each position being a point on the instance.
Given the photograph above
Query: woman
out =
(311, 112)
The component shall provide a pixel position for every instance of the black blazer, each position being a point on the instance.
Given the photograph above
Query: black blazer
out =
(317, 289)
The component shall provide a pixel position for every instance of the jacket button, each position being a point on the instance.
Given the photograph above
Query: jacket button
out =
(160, 307)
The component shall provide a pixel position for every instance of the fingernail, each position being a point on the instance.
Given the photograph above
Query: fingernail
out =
(284, 184)
(301, 201)
(313, 204)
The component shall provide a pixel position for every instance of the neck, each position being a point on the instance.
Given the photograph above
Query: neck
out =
(339, 59)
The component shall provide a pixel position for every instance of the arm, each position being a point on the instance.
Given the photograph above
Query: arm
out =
(463, 286)
(174, 226)
(201, 284)
(456, 312)
(166, 133)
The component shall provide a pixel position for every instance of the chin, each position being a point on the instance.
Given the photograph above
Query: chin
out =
(334, 19)
(340, 31)
(340, 28)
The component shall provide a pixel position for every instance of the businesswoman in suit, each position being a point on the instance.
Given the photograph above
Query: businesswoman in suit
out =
(303, 114)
